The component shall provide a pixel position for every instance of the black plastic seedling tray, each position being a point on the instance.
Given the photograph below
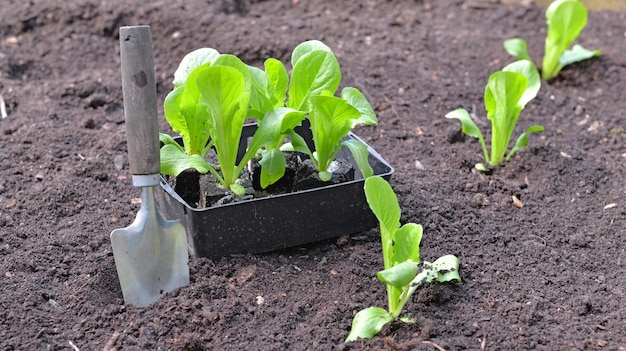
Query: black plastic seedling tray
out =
(276, 222)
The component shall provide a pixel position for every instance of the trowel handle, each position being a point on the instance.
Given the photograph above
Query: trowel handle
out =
(140, 100)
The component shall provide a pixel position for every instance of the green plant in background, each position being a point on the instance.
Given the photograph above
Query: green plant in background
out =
(506, 94)
(403, 272)
(565, 19)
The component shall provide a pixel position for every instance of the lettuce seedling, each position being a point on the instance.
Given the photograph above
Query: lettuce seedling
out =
(506, 94)
(214, 93)
(403, 272)
(274, 128)
(565, 19)
(315, 78)
(331, 119)
(208, 107)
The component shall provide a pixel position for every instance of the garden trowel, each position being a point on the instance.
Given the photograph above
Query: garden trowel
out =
(151, 254)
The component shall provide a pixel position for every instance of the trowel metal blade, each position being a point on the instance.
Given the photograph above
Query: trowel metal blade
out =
(151, 255)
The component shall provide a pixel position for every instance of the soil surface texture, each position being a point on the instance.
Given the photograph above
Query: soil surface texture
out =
(544, 273)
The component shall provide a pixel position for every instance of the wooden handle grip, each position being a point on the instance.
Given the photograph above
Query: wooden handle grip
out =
(140, 100)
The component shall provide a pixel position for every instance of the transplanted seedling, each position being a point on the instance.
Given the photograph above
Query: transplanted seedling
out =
(506, 94)
(565, 19)
(403, 272)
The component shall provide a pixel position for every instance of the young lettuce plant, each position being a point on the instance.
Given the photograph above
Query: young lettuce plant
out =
(403, 272)
(565, 19)
(314, 80)
(208, 107)
(506, 94)
(200, 112)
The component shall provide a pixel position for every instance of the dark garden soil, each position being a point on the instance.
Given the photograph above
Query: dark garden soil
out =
(550, 275)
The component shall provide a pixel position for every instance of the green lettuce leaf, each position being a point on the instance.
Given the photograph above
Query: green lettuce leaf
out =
(368, 322)
(565, 19)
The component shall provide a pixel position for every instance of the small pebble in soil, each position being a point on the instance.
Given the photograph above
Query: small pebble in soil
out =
(55, 305)
(516, 202)
(342, 240)
(119, 161)
(584, 121)
(578, 110)
(481, 199)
